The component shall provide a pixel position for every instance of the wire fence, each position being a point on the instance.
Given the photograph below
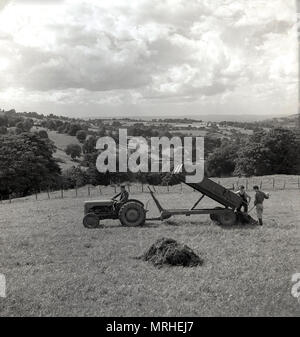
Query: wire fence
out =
(89, 191)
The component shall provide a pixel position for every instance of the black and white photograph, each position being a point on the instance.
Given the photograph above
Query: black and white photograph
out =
(149, 161)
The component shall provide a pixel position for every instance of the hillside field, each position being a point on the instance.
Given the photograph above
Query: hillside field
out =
(61, 141)
(56, 267)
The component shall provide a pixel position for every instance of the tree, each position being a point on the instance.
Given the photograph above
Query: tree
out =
(20, 125)
(73, 177)
(3, 130)
(26, 164)
(102, 131)
(3, 120)
(210, 144)
(73, 150)
(43, 134)
(97, 178)
(73, 129)
(27, 124)
(61, 129)
(81, 135)
(51, 125)
(18, 131)
(89, 145)
(116, 124)
(221, 162)
(266, 153)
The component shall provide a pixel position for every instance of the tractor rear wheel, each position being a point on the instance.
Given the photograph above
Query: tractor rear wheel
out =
(91, 220)
(227, 218)
(132, 214)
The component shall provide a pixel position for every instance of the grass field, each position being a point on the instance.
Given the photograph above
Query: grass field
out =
(61, 141)
(54, 266)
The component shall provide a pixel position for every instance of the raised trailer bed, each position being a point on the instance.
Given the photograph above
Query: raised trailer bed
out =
(226, 215)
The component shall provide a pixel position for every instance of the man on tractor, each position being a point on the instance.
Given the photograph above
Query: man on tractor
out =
(123, 197)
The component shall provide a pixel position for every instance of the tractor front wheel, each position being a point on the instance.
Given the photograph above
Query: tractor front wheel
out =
(132, 214)
(91, 220)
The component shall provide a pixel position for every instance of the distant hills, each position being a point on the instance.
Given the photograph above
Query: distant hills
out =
(205, 118)
(285, 121)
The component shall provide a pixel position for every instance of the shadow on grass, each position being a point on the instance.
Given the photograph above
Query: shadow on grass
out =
(209, 223)
(238, 226)
(150, 224)
(186, 223)
(118, 225)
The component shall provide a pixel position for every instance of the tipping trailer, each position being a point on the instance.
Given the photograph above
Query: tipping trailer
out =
(226, 215)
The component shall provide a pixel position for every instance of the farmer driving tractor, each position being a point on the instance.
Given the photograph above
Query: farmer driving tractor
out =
(124, 196)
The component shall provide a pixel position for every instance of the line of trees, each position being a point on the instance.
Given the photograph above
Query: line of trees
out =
(264, 153)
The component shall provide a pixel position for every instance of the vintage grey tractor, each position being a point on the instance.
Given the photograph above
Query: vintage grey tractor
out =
(131, 213)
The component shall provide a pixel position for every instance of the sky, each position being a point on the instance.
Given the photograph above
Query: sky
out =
(106, 58)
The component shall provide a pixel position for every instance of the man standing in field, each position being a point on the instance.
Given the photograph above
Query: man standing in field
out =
(246, 198)
(260, 196)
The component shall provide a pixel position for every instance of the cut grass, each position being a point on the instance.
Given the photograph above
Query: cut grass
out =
(56, 267)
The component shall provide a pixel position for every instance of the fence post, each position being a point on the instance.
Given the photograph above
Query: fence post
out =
(168, 187)
(89, 191)
(273, 183)
(62, 192)
(142, 188)
(35, 195)
(48, 193)
(246, 184)
(100, 192)
(284, 185)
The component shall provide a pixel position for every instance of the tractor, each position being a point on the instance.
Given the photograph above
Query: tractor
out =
(131, 213)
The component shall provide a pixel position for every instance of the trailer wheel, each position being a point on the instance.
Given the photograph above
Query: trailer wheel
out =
(132, 214)
(91, 220)
(227, 218)
(215, 216)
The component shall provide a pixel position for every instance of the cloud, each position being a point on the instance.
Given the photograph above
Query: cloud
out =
(150, 51)
(37, 2)
(3, 3)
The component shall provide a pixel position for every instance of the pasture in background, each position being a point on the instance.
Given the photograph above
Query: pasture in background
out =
(267, 183)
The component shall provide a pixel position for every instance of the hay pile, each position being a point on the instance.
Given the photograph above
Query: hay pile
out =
(170, 252)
